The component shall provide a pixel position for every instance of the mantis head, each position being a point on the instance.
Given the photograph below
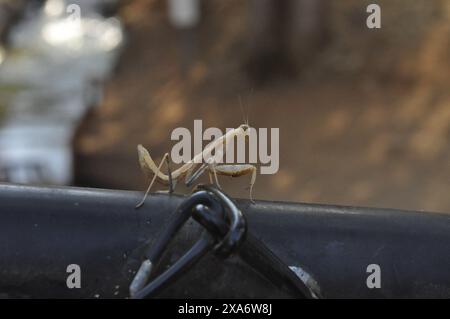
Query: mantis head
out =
(245, 129)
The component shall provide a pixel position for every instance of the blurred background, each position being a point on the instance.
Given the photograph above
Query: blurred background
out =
(364, 114)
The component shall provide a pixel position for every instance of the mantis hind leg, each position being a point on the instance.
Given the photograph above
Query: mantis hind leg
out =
(171, 181)
(158, 170)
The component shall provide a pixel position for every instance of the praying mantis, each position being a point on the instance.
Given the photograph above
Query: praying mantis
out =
(204, 159)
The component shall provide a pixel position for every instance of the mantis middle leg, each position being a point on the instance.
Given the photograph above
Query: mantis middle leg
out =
(238, 170)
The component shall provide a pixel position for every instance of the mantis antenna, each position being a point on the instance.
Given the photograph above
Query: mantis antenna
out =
(242, 109)
(245, 115)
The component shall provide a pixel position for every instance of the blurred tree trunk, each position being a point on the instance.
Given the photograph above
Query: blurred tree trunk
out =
(283, 35)
(308, 28)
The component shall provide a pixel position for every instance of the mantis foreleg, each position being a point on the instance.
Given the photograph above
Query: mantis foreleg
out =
(210, 167)
(226, 170)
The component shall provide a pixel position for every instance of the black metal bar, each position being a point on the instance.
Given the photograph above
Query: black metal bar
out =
(44, 229)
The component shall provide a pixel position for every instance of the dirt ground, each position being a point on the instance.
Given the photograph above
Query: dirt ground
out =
(366, 122)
